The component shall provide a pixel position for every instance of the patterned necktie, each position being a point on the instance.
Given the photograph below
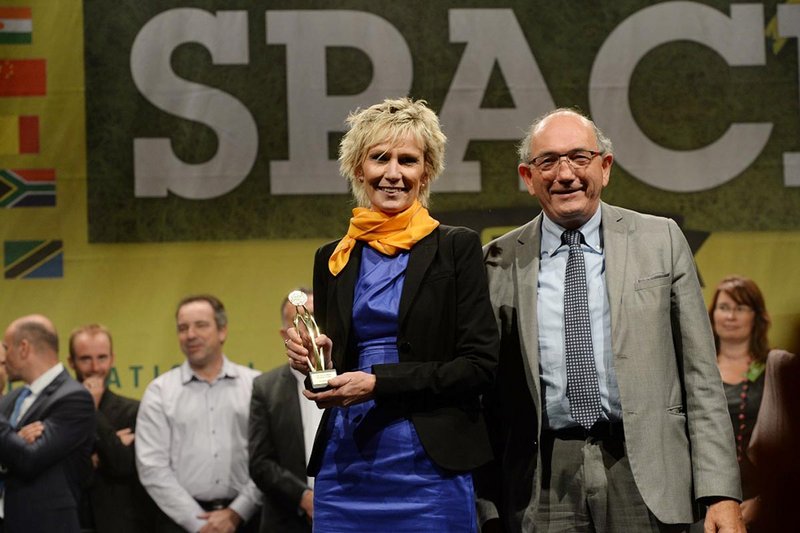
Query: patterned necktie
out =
(583, 391)
(24, 393)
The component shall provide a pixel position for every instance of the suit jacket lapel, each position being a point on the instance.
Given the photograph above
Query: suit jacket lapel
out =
(615, 249)
(43, 400)
(290, 399)
(344, 288)
(7, 403)
(527, 274)
(422, 253)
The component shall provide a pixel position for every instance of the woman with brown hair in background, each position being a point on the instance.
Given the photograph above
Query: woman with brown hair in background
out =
(740, 322)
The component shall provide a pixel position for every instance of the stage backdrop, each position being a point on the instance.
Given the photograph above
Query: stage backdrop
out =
(150, 149)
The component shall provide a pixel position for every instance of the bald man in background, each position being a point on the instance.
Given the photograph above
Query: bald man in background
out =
(42, 481)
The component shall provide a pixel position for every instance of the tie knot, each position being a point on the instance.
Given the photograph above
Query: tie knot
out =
(571, 236)
(24, 393)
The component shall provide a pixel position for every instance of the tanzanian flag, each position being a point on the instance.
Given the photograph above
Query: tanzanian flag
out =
(33, 259)
(16, 25)
(30, 187)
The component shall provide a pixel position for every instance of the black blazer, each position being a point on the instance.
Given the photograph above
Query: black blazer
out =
(277, 451)
(447, 344)
(43, 481)
(119, 503)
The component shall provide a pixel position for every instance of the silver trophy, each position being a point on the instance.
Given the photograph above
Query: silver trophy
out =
(318, 376)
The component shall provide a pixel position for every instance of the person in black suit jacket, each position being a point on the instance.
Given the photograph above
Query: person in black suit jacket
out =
(279, 449)
(419, 378)
(43, 479)
(115, 501)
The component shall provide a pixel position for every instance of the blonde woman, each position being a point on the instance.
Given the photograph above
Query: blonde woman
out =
(404, 304)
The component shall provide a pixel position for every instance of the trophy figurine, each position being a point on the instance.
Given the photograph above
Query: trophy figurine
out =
(318, 375)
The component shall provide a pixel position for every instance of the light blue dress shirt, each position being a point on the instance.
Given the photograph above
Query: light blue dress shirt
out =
(552, 364)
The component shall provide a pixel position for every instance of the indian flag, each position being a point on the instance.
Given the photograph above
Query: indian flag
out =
(16, 25)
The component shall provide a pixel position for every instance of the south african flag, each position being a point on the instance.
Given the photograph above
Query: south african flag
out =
(30, 187)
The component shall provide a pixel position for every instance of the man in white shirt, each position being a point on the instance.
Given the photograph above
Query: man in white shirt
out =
(191, 431)
(283, 424)
(43, 474)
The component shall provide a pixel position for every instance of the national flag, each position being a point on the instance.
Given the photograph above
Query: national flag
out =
(29, 187)
(33, 259)
(19, 134)
(23, 77)
(16, 25)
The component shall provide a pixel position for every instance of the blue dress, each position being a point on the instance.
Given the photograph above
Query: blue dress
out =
(375, 475)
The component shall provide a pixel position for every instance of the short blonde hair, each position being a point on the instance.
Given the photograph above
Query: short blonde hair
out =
(390, 121)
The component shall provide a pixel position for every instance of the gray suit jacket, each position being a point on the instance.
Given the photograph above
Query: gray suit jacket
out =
(677, 429)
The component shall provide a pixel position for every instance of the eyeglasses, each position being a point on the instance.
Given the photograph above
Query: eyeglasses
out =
(577, 159)
(740, 309)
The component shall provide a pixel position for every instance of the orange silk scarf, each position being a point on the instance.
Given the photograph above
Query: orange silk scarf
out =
(386, 233)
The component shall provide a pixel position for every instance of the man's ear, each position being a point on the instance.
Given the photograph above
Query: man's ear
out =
(24, 348)
(524, 171)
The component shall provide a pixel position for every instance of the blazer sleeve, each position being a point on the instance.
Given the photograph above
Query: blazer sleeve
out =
(269, 475)
(116, 459)
(450, 343)
(715, 470)
(68, 425)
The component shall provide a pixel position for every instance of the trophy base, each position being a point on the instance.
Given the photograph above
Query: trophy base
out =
(317, 380)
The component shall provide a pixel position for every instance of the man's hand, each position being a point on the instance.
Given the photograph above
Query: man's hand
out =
(222, 521)
(307, 504)
(31, 432)
(96, 387)
(126, 436)
(724, 516)
(749, 509)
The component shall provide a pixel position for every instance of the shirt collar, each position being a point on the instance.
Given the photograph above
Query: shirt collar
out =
(40, 383)
(228, 371)
(551, 234)
(299, 376)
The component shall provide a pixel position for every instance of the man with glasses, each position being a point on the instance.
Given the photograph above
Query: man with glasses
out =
(609, 413)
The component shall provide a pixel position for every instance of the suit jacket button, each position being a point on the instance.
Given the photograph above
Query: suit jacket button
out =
(405, 347)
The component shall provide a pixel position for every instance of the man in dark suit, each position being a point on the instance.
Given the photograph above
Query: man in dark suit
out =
(627, 429)
(43, 479)
(115, 501)
(281, 434)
